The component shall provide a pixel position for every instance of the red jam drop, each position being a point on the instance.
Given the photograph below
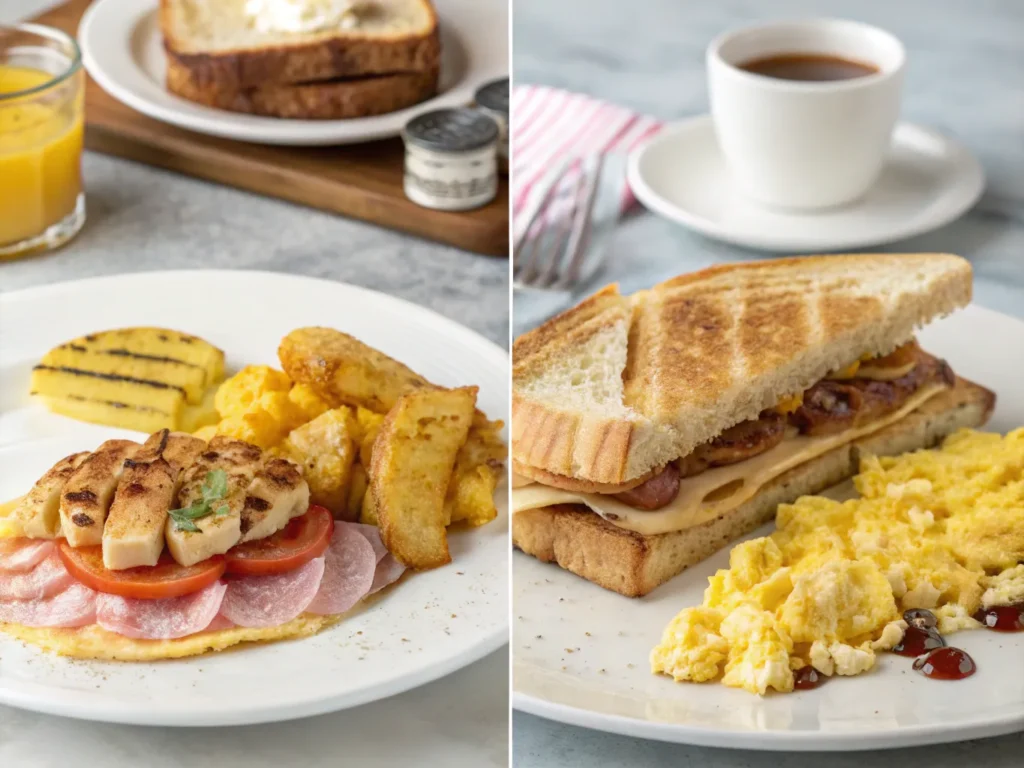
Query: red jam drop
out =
(806, 678)
(1002, 618)
(918, 641)
(946, 664)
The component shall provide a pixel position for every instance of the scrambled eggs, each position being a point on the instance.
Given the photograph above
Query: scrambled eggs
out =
(939, 529)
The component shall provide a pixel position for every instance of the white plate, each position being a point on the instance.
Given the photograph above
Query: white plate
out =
(123, 51)
(928, 181)
(428, 625)
(605, 681)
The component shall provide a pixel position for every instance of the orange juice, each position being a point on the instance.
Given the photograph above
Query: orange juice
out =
(40, 151)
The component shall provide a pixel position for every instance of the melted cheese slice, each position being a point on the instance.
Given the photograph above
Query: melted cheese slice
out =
(712, 493)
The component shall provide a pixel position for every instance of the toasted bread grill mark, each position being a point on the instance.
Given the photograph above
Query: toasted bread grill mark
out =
(772, 333)
(692, 354)
(843, 314)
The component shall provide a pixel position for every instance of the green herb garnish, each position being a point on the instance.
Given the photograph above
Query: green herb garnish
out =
(214, 488)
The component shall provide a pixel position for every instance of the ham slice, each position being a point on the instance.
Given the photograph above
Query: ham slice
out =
(164, 619)
(219, 623)
(45, 580)
(24, 554)
(389, 570)
(74, 607)
(372, 534)
(267, 601)
(349, 570)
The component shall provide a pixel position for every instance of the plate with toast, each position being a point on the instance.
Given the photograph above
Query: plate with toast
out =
(221, 515)
(656, 437)
(294, 72)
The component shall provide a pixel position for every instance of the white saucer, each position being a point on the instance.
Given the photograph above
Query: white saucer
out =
(123, 52)
(928, 181)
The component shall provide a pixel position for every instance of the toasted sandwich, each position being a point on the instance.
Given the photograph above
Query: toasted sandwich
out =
(649, 431)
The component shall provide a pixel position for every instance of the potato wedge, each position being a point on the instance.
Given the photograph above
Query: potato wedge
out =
(413, 459)
(368, 509)
(358, 483)
(477, 470)
(344, 371)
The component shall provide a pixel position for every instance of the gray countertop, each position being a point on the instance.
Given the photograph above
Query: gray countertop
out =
(141, 218)
(966, 69)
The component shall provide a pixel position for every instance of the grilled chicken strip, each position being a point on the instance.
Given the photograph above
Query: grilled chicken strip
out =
(217, 532)
(86, 496)
(134, 533)
(39, 511)
(276, 495)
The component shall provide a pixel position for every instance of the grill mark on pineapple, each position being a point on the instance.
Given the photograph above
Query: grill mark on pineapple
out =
(111, 403)
(109, 377)
(140, 356)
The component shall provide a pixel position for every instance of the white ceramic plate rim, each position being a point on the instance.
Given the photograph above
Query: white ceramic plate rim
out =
(789, 741)
(261, 712)
(959, 201)
(980, 726)
(105, 33)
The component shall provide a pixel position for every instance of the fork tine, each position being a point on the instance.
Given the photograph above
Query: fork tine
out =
(549, 184)
(562, 229)
(582, 220)
(526, 273)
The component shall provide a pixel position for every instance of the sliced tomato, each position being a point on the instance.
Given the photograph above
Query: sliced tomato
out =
(304, 538)
(147, 582)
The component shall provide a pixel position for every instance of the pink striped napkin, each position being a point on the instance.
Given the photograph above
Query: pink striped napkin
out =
(550, 124)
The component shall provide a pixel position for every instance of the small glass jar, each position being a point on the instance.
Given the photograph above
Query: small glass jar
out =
(451, 159)
(42, 99)
(492, 100)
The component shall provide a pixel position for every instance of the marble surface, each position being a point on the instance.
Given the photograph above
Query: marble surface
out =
(142, 218)
(966, 66)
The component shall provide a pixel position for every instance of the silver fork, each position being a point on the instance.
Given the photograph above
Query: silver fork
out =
(552, 260)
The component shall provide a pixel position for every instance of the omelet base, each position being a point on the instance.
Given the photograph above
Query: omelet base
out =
(95, 643)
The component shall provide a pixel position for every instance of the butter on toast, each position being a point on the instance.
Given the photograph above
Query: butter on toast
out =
(222, 48)
(619, 386)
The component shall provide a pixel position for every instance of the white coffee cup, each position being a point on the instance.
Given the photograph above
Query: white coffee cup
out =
(805, 144)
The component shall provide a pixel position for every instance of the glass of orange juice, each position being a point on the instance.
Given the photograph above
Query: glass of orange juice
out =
(42, 95)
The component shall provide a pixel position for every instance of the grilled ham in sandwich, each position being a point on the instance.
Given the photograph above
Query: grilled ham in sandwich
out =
(650, 430)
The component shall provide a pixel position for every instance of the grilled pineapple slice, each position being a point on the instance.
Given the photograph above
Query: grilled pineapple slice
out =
(134, 378)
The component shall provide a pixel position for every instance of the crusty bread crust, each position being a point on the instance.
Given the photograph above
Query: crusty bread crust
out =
(309, 59)
(329, 100)
(658, 373)
(633, 564)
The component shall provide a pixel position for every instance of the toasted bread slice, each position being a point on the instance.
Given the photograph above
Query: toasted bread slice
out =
(323, 100)
(619, 386)
(221, 45)
(633, 564)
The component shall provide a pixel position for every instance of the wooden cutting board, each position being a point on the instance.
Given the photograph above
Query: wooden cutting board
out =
(361, 181)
